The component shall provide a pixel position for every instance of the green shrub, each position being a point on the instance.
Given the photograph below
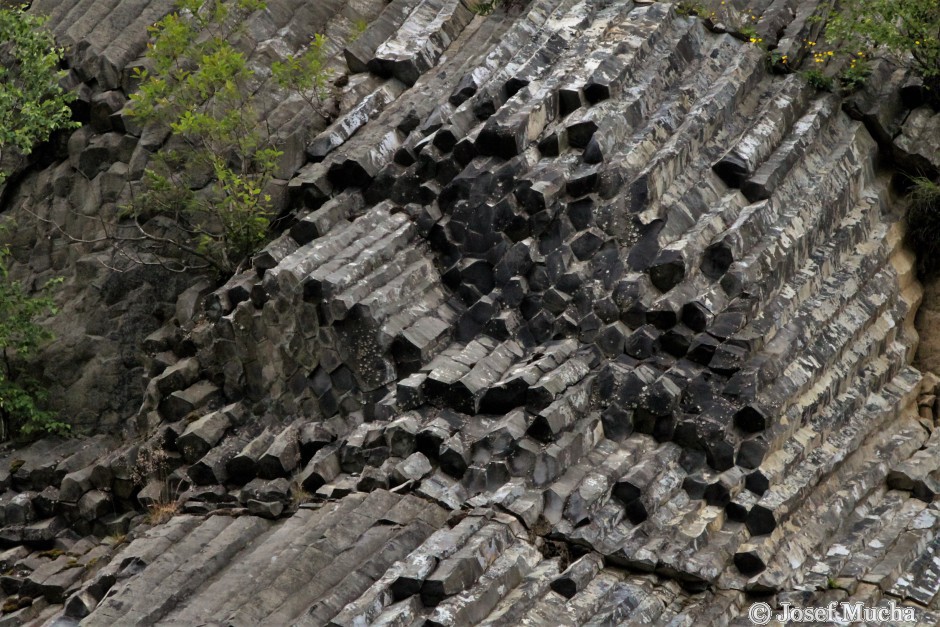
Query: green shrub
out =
(359, 27)
(820, 81)
(485, 7)
(854, 75)
(306, 73)
(21, 396)
(32, 104)
(777, 62)
(750, 33)
(909, 28)
(691, 8)
(923, 219)
(32, 107)
(211, 176)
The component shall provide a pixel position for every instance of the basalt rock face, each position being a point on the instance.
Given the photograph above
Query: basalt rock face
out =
(581, 317)
(66, 206)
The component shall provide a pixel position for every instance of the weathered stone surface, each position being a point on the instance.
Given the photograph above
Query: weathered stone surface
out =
(75, 484)
(242, 467)
(94, 505)
(200, 436)
(520, 275)
(323, 467)
(414, 468)
(281, 457)
(179, 404)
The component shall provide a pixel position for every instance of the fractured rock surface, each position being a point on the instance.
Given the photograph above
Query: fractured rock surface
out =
(580, 316)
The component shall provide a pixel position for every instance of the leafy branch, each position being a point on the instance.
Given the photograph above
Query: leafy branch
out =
(907, 28)
(212, 180)
(306, 74)
(20, 337)
(32, 104)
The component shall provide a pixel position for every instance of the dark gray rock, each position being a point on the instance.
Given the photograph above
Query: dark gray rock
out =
(281, 457)
(577, 576)
(323, 467)
(414, 468)
(265, 509)
(243, 466)
(181, 403)
(94, 505)
(200, 436)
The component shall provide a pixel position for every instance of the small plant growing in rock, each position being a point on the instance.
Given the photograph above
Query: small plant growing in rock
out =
(750, 33)
(359, 27)
(52, 553)
(298, 495)
(691, 8)
(485, 7)
(159, 513)
(115, 539)
(32, 104)
(907, 28)
(153, 465)
(854, 76)
(306, 73)
(818, 80)
(925, 192)
(923, 220)
(777, 62)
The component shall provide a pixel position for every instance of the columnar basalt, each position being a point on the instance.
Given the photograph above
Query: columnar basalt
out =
(577, 316)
